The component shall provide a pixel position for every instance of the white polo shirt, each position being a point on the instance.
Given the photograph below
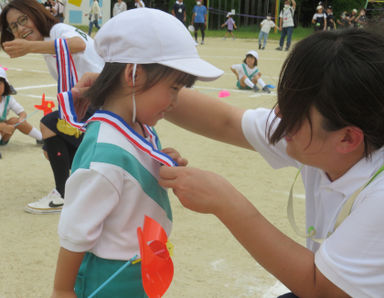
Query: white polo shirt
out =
(12, 105)
(353, 256)
(87, 61)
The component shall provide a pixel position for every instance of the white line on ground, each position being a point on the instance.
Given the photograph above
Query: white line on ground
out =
(36, 87)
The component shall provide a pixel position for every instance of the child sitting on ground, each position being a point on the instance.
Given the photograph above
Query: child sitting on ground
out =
(8, 125)
(247, 73)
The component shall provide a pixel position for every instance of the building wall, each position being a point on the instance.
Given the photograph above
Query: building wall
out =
(75, 11)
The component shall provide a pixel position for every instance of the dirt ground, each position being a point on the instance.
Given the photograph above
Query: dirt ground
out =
(208, 260)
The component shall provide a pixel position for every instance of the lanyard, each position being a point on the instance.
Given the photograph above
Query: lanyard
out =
(4, 116)
(343, 214)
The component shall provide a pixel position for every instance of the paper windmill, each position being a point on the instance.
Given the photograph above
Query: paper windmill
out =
(156, 264)
(46, 106)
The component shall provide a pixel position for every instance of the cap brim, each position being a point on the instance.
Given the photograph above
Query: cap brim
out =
(203, 70)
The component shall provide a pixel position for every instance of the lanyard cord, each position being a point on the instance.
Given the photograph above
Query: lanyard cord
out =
(343, 214)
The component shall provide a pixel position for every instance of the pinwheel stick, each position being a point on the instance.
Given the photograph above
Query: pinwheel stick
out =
(29, 115)
(129, 262)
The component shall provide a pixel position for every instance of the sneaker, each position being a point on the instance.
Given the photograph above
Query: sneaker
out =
(255, 88)
(39, 142)
(263, 48)
(279, 48)
(202, 42)
(286, 49)
(51, 203)
(259, 46)
(266, 89)
(0, 155)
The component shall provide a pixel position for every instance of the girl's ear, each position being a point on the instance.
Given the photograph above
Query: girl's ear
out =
(133, 77)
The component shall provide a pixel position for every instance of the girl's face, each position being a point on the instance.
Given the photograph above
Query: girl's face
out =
(2, 87)
(22, 26)
(250, 61)
(152, 104)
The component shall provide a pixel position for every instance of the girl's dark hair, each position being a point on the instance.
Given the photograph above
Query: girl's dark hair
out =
(249, 55)
(110, 79)
(341, 74)
(35, 11)
(7, 88)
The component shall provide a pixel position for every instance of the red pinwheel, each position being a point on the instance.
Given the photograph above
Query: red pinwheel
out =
(46, 106)
(156, 264)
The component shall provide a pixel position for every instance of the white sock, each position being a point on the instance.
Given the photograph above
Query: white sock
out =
(34, 133)
(249, 83)
(261, 82)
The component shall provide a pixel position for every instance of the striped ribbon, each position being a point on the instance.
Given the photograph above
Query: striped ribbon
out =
(66, 70)
(150, 148)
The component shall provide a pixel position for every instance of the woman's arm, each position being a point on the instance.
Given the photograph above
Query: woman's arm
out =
(291, 263)
(68, 264)
(20, 47)
(209, 117)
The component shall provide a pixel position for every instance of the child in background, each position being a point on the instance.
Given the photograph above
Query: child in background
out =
(7, 125)
(230, 23)
(266, 26)
(247, 73)
(115, 171)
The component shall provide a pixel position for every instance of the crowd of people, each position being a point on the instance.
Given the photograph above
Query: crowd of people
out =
(111, 172)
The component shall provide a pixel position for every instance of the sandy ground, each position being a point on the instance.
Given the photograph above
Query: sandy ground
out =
(208, 260)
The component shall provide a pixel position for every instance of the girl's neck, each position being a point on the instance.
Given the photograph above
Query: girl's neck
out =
(125, 112)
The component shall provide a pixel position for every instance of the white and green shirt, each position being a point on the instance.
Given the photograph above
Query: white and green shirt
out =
(113, 185)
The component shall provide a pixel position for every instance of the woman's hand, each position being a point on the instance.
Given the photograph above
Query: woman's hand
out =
(175, 155)
(16, 48)
(80, 101)
(198, 190)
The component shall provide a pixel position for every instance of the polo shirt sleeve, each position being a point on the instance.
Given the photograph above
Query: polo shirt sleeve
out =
(353, 256)
(89, 198)
(15, 106)
(255, 124)
(61, 30)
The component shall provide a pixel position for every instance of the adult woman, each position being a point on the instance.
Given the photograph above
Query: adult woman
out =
(328, 122)
(27, 27)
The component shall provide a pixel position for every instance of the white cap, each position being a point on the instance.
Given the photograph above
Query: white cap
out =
(3, 74)
(319, 7)
(229, 14)
(253, 53)
(354, 10)
(148, 35)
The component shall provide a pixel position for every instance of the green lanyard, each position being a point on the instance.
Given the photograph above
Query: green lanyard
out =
(246, 73)
(4, 116)
(343, 214)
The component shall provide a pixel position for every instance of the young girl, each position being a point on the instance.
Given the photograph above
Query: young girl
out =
(230, 23)
(8, 125)
(248, 74)
(114, 175)
(320, 19)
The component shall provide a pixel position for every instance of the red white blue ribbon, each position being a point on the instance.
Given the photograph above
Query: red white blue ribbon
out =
(66, 70)
(150, 148)
(67, 110)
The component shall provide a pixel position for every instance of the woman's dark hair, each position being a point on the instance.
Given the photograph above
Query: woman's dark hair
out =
(35, 11)
(7, 88)
(249, 55)
(110, 79)
(341, 74)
